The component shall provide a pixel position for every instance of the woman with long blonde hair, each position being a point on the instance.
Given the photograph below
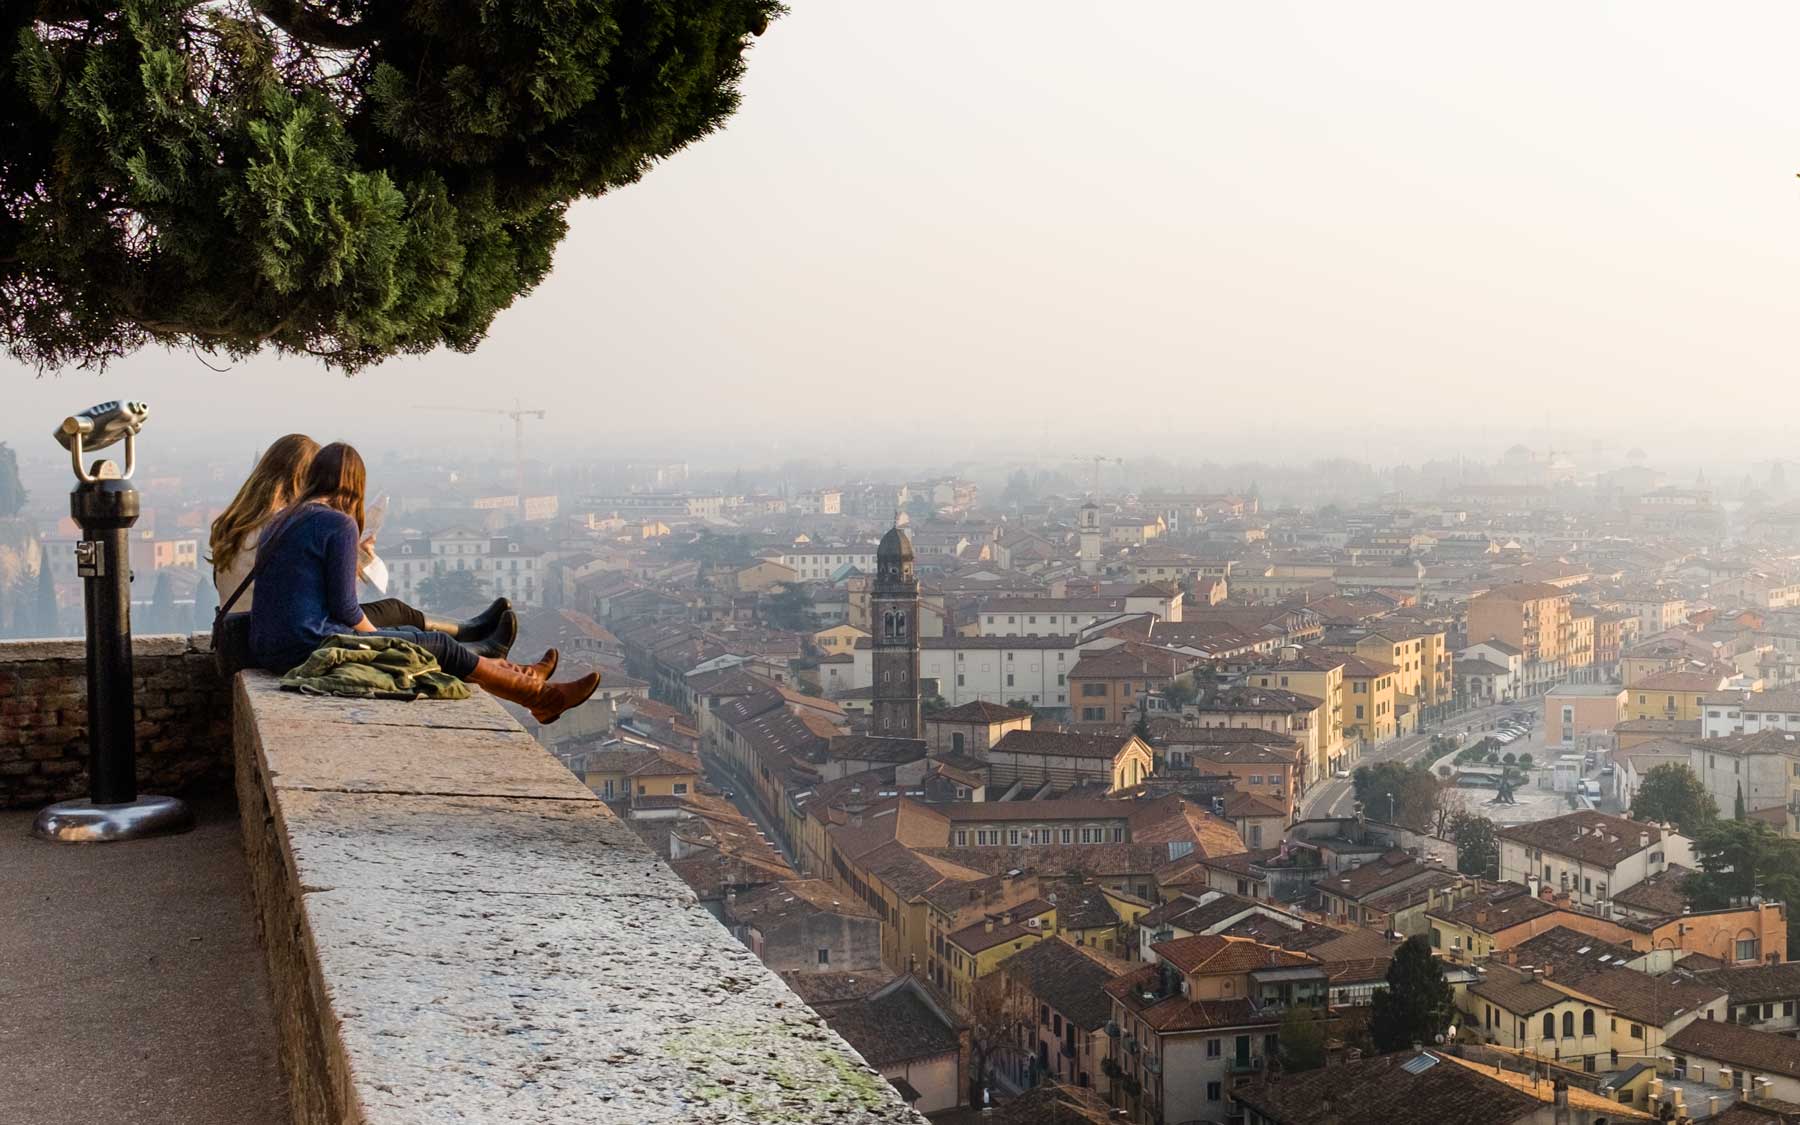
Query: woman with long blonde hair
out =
(272, 486)
(308, 580)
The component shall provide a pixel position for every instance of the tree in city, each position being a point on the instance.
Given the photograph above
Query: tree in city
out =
(789, 608)
(1301, 1040)
(1477, 843)
(163, 615)
(1742, 859)
(1525, 760)
(1403, 794)
(338, 178)
(451, 591)
(711, 549)
(997, 1014)
(1673, 794)
(1180, 693)
(1141, 728)
(1737, 805)
(1417, 1003)
(12, 490)
(46, 623)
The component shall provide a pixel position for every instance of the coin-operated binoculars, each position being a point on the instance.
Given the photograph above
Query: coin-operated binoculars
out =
(105, 506)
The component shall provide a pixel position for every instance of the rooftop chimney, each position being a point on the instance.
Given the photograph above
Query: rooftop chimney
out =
(1643, 839)
(987, 925)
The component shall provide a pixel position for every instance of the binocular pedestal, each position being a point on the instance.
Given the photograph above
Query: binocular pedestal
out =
(105, 508)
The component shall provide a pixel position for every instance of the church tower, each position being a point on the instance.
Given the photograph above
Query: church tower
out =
(894, 616)
(1089, 526)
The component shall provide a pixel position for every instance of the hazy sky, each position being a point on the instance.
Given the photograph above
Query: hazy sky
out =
(1381, 229)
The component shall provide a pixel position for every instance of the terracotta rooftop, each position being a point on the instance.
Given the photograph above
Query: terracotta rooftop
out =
(1209, 954)
(1590, 836)
(1500, 908)
(1033, 742)
(1071, 979)
(1740, 1046)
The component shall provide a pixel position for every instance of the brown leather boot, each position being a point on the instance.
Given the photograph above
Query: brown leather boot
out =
(544, 668)
(545, 701)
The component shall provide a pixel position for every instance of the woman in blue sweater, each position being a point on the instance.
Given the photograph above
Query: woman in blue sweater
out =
(306, 592)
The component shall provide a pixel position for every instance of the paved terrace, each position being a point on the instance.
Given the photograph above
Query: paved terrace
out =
(454, 929)
(132, 986)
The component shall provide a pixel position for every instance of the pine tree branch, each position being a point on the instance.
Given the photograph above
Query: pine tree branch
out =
(307, 26)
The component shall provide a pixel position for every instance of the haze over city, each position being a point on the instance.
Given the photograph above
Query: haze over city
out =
(1284, 230)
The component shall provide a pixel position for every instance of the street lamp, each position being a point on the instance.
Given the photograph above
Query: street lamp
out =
(105, 506)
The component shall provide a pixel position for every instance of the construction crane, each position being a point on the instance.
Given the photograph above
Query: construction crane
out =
(1098, 461)
(518, 415)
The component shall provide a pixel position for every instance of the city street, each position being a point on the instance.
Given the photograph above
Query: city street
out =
(1335, 796)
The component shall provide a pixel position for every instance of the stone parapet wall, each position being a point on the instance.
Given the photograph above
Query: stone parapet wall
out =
(458, 930)
(183, 718)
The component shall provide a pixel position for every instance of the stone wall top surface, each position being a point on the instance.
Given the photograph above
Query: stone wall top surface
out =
(496, 946)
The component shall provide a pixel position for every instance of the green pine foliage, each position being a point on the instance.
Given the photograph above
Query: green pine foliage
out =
(350, 179)
(1417, 1004)
(12, 490)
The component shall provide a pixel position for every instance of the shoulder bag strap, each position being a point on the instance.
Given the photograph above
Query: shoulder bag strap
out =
(262, 557)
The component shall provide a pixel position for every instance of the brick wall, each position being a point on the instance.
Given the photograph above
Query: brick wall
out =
(183, 718)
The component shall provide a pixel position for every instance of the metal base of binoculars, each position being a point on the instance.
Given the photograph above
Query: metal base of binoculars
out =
(84, 822)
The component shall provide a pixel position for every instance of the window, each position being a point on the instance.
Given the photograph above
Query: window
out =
(1587, 1022)
(1119, 836)
(1068, 835)
(1549, 1025)
(680, 787)
(1212, 1048)
(1359, 710)
(1568, 1025)
(962, 838)
(1637, 1031)
(1012, 837)
(824, 956)
(1212, 1091)
(1256, 779)
(1090, 690)
(1747, 949)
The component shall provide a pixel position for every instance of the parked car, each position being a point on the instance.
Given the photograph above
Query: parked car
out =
(1340, 772)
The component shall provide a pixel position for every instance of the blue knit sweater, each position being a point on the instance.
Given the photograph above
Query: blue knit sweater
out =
(306, 590)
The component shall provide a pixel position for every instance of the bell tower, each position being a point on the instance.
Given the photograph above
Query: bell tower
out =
(1089, 526)
(894, 617)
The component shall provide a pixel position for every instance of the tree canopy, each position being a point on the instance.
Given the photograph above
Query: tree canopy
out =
(1413, 788)
(1302, 1039)
(1742, 859)
(451, 591)
(12, 492)
(1417, 1003)
(1477, 843)
(1672, 793)
(346, 178)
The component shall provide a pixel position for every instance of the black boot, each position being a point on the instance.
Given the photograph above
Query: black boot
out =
(499, 642)
(475, 628)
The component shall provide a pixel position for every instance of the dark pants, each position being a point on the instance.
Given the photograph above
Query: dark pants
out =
(389, 613)
(452, 655)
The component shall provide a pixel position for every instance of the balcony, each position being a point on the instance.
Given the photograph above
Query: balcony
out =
(418, 915)
(1252, 1064)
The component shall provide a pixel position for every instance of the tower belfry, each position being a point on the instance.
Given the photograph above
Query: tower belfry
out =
(894, 618)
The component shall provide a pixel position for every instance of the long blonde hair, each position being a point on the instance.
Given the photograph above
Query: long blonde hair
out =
(273, 484)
